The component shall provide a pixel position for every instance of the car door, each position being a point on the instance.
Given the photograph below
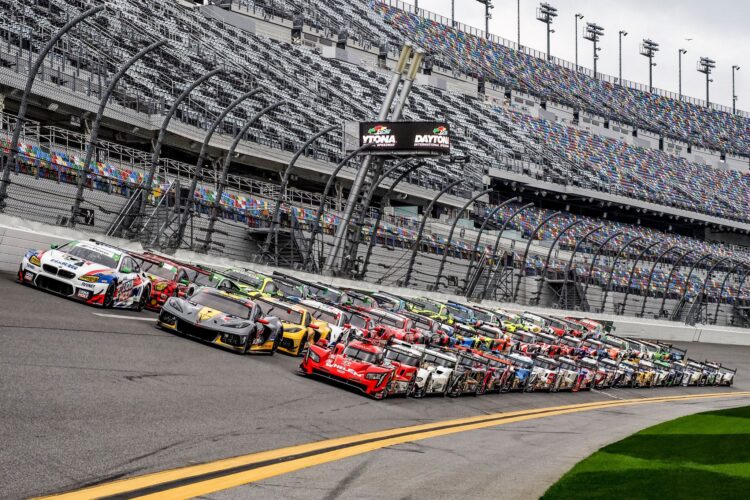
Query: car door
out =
(128, 280)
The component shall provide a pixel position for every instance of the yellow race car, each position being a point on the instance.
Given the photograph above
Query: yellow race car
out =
(299, 329)
(260, 284)
(430, 309)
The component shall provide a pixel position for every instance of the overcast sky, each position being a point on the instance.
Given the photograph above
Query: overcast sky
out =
(718, 29)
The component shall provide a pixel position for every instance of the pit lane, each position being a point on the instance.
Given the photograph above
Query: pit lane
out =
(86, 399)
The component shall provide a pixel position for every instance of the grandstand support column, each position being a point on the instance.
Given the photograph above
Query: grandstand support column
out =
(489, 217)
(94, 135)
(522, 271)
(453, 229)
(708, 277)
(495, 248)
(351, 246)
(593, 260)
(549, 253)
(669, 278)
(156, 153)
(651, 276)
(612, 269)
(359, 180)
(703, 257)
(225, 170)
(176, 238)
(723, 285)
(632, 272)
(324, 195)
(273, 233)
(422, 223)
(23, 106)
(572, 256)
(384, 203)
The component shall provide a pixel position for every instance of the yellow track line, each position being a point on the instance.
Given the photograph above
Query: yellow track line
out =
(368, 442)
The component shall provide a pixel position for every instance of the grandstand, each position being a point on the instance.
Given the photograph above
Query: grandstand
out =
(582, 150)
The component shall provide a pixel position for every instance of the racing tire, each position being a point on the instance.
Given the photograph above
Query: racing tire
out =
(20, 275)
(109, 296)
(142, 299)
(246, 345)
(454, 387)
(276, 342)
(420, 393)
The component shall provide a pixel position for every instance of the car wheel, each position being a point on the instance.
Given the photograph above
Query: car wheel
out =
(109, 297)
(277, 341)
(20, 274)
(142, 299)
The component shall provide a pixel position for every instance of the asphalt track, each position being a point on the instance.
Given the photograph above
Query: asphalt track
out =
(87, 399)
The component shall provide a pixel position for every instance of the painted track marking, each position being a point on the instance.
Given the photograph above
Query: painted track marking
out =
(203, 479)
(122, 316)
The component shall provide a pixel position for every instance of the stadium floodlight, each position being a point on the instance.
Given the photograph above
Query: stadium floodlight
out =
(546, 13)
(94, 135)
(621, 33)
(680, 53)
(578, 16)
(31, 76)
(706, 66)
(734, 95)
(649, 49)
(593, 33)
(427, 212)
(487, 16)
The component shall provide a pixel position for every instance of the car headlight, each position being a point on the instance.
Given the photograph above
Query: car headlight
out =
(160, 286)
(176, 304)
(244, 324)
(375, 376)
(313, 356)
(34, 260)
(89, 279)
(420, 379)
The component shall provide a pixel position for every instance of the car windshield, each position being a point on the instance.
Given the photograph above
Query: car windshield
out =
(199, 278)
(356, 353)
(246, 278)
(391, 321)
(436, 360)
(330, 295)
(402, 357)
(422, 323)
(489, 332)
(359, 301)
(466, 361)
(545, 365)
(483, 316)
(463, 313)
(101, 256)
(358, 321)
(521, 362)
(428, 306)
(288, 290)
(328, 317)
(221, 303)
(497, 364)
(284, 313)
(567, 366)
(162, 269)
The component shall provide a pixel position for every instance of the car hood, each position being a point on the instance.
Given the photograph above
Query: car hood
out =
(207, 316)
(351, 366)
(79, 267)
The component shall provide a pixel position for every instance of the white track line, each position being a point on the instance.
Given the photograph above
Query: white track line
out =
(122, 316)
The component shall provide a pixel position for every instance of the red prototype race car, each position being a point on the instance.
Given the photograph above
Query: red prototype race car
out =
(359, 364)
(390, 325)
(169, 278)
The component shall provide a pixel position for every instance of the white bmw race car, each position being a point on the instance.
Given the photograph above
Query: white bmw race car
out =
(88, 271)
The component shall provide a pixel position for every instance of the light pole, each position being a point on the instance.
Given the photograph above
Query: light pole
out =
(21, 115)
(649, 48)
(679, 71)
(418, 240)
(578, 16)
(594, 32)
(622, 33)
(706, 66)
(546, 13)
(453, 13)
(487, 16)
(94, 136)
(734, 95)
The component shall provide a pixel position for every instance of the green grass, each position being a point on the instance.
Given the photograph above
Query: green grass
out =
(699, 456)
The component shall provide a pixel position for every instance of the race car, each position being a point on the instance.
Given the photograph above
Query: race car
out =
(435, 372)
(261, 284)
(390, 325)
(168, 278)
(230, 321)
(523, 374)
(88, 271)
(407, 361)
(359, 364)
(330, 322)
(500, 371)
(602, 378)
(546, 372)
(429, 308)
(298, 332)
(461, 314)
(574, 376)
(470, 375)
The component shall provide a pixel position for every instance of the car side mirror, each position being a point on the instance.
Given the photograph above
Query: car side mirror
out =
(184, 282)
(314, 327)
(54, 246)
(346, 325)
(263, 321)
(126, 270)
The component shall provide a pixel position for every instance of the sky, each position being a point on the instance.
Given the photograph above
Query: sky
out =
(717, 29)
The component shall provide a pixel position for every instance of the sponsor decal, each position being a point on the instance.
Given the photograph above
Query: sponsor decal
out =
(63, 263)
(124, 290)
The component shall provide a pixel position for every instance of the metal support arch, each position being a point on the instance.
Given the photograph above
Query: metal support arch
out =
(23, 106)
(94, 135)
(417, 242)
(651, 275)
(453, 229)
(612, 269)
(632, 272)
(383, 203)
(522, 272)
(198, 175)
(596, 255)
(723, 285)
(285, 181)
(495, 248)
(329, 184)
(572, 256)
(490, 217)
(225, 170)
(551, 248)
(705, 281)
(690, 273)
(669, 278)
